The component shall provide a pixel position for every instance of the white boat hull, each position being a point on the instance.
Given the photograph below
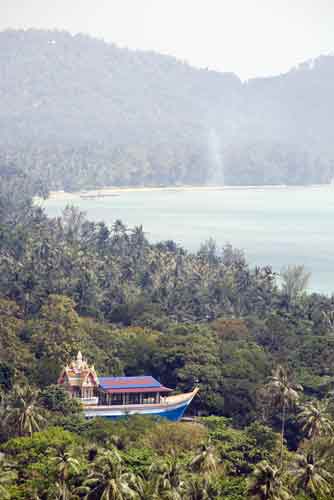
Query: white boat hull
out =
(172, 408)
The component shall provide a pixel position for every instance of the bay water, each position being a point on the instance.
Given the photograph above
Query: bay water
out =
(277, 226)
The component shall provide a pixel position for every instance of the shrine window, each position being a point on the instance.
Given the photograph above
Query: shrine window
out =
(149, 398)
(115, 399)
(134, 399)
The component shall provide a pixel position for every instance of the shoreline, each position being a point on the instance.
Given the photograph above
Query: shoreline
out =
(117, 191)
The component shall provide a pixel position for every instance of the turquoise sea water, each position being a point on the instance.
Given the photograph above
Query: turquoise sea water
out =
(274, 226)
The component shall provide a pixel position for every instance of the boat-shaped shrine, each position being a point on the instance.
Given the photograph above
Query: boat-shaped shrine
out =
(115, 397)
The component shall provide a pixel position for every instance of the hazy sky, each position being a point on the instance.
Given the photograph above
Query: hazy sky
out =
(248, 37)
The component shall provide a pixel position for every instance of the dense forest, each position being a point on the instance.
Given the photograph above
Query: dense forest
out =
(77, 112)
(260, 348)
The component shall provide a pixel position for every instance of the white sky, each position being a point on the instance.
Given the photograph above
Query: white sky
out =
(249, 37)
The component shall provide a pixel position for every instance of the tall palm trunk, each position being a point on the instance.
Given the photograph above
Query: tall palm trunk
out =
(282, 432)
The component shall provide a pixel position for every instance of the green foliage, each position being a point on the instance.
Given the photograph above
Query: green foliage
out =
(23, 414)
(7, 479)
(110, 456)
(39, 442)
(232, 488)
(267, 483)
(265, 438)
(237, 449)
(6, 375)
(170, 437)
(55, 398)
(316, 420)
(138, 459)
(108, 478)
(57, 333)
(203, 319)
(309, 475)
(229, 358)
(128, 431)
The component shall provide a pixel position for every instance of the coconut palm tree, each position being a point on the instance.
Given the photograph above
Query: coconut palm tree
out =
(143, 489)
(24, 412)
(108, 481)
(65, 465)
(137, 237)
(315, 419)
(167, 479)
(57, 492)
(205, 461)
(309, 475)
(205, 464)
(266, 483)
(284, 394)
(328, 318)
(199, 488)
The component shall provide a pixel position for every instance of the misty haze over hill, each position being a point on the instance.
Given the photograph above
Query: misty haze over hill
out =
(78, 113)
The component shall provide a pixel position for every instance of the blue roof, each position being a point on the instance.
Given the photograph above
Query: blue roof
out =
(139, 382)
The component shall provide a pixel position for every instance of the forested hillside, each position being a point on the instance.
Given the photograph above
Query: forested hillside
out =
(77, 113)
(262, 355)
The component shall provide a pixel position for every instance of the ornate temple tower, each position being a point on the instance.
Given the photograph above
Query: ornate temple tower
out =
(80, 380)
